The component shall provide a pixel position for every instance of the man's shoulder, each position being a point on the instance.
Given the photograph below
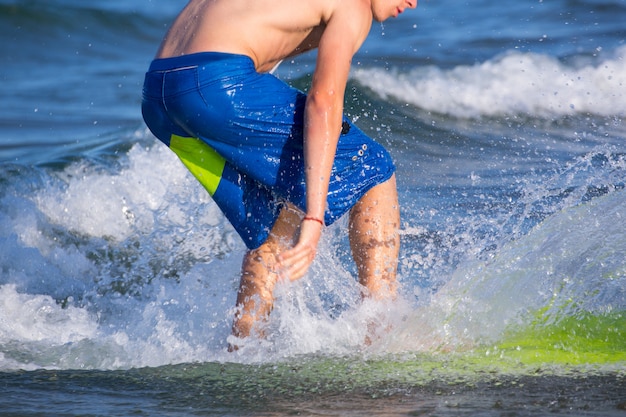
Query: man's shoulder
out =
(355, 8)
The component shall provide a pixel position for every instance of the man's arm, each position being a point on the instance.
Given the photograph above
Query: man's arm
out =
(346, 29)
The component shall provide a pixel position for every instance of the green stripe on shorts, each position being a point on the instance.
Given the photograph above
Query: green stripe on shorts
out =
(200, 159)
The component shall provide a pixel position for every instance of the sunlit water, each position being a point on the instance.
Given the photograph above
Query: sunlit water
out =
(118, 273)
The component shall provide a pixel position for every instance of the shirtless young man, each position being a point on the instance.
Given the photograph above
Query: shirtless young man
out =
(280, 164)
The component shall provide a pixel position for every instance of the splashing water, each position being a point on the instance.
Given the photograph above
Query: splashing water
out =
(133, 267)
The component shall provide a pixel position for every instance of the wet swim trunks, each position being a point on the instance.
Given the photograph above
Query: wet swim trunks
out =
(240, 133)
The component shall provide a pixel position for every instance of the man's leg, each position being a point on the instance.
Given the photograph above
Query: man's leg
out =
(374, 239)
(259, 274)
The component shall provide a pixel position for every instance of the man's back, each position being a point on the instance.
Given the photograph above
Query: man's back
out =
(265, 30)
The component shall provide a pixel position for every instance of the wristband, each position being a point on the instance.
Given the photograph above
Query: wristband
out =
(314, 219)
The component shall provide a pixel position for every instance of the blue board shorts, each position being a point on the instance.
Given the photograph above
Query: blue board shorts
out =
(240, 133)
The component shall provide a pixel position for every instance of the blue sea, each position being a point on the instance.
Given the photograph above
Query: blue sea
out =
(118, 274)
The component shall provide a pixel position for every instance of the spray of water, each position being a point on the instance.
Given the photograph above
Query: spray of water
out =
(133, 265)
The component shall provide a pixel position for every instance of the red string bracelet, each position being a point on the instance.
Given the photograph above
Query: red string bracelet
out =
(314, 219)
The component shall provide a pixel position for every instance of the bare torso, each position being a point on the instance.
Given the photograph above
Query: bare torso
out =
(265, 30)
(269, 31)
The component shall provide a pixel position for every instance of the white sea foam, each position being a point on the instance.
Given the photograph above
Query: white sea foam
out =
(136, 266)
(115, 204)
(513, 84)
(39, 318)
(132, 267)
(571, 263)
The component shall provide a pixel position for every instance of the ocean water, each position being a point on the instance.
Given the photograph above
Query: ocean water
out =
(118, 274)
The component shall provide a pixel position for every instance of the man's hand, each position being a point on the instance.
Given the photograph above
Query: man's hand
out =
(295, 262)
